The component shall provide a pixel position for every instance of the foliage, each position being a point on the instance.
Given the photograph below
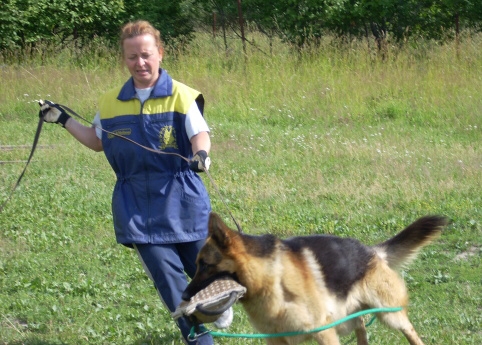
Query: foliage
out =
(26, 22)
(303, 22)
(171, 18)
(36, 23)
(29, 23)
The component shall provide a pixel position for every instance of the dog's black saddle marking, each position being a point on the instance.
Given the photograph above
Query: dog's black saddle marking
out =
(343, 261)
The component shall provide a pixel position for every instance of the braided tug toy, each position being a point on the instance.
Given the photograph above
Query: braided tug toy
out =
(208, 304)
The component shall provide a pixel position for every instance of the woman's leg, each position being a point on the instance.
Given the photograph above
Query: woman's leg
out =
(188, 252)
(164, 266)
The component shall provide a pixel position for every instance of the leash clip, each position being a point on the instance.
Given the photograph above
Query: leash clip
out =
(198, 328)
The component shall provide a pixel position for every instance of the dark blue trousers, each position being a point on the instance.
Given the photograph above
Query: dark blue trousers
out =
(167, 266)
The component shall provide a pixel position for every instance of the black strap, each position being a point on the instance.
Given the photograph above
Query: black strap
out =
(34, 146)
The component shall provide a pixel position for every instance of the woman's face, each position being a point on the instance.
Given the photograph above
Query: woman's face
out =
(142, 57)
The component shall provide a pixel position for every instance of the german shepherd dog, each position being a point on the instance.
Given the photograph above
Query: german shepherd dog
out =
(304, 282)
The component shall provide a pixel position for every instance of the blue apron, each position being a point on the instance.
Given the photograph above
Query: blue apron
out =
(156, 198)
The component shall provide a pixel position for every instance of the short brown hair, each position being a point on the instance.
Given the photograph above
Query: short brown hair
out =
(137, 28)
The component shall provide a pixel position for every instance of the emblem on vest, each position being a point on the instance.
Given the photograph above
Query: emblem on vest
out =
(167, 138)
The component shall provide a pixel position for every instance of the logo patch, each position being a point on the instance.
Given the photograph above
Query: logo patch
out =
(123, 131)
(167, 138)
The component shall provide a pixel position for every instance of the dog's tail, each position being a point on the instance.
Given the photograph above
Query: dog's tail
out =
(401, 249)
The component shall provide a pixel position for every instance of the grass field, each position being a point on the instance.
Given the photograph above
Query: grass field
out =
(330, 141)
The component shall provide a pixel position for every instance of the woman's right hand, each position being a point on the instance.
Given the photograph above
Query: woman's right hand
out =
(52, 113)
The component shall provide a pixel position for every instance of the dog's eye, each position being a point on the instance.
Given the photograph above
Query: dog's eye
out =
(205, 266)
(202, 265)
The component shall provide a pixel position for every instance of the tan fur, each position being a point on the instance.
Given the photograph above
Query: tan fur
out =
(286, 291)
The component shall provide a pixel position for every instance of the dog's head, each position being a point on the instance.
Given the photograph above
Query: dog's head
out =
(216, 258)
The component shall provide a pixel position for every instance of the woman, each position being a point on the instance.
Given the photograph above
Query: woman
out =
(160, 205)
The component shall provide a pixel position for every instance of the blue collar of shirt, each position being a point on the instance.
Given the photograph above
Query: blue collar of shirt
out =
(163, 87)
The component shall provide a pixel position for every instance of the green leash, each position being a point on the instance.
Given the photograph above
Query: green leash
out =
(193, 336)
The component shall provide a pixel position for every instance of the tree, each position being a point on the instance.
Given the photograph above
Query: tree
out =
(25, 23)
(28, 22)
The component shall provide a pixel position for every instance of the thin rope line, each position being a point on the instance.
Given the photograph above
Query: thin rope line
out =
(121, 136)
(290, 334)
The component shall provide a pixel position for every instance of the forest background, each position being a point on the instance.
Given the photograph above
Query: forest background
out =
(26, 24)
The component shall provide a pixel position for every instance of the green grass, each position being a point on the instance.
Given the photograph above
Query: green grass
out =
(333, 141)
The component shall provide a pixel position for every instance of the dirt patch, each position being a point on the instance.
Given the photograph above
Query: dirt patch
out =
(467, 254)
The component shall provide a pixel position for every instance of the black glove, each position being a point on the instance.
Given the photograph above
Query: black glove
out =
(52, 113)
(200, 162)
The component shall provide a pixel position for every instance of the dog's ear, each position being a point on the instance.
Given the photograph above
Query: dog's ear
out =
(219, 231)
